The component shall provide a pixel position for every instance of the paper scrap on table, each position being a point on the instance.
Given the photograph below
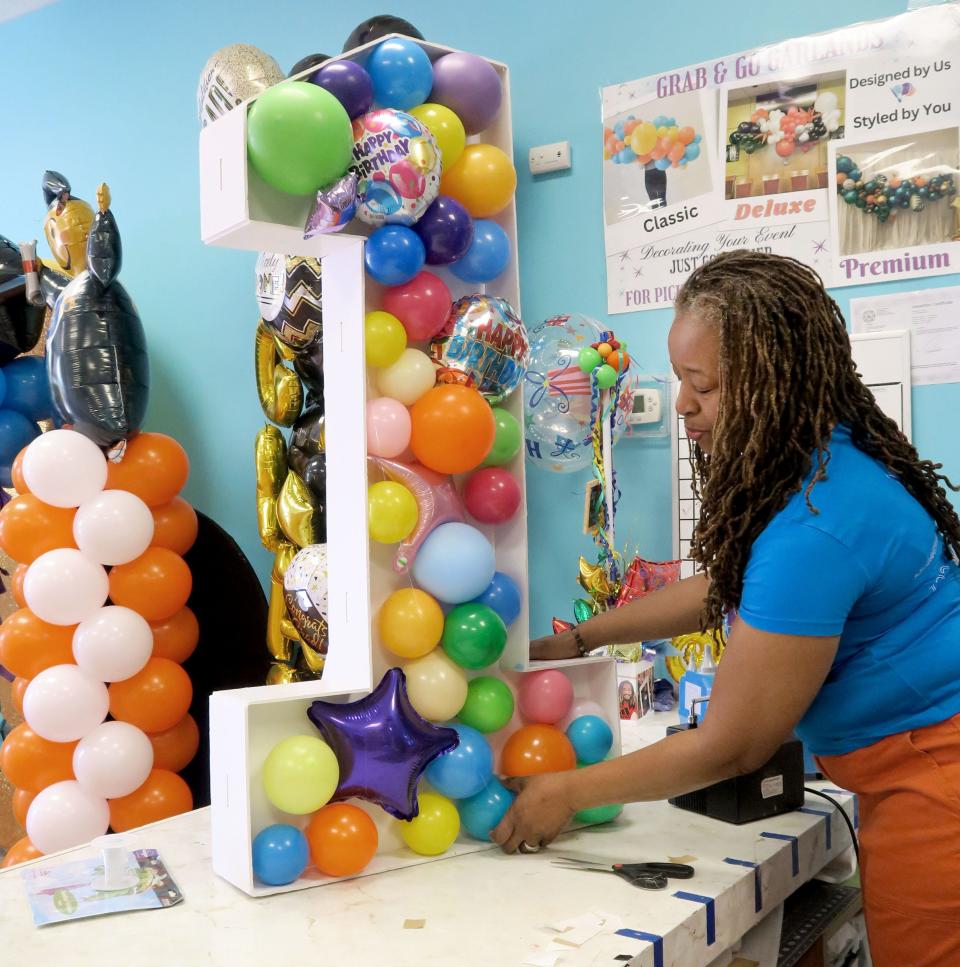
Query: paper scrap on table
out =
(932, 316)
(683, 859)
(576, 931)
(545, 956)
(414, 924)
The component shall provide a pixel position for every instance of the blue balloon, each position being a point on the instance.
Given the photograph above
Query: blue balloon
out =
(455, 564)
(481, 813)
(697, 138)
(27, 388)
(488, 255)
(401, 73)
(464, 771)
(618, 130)
(692, 152)
(280, 854)
(661, 164)
(628, 155)
(591, 738)
(16, 431)
(394, 254)
(503, 595)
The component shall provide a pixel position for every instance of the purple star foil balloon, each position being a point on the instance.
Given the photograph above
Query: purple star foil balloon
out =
(334, 208)
(382, 744)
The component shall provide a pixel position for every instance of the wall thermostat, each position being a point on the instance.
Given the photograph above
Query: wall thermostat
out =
(646, 407)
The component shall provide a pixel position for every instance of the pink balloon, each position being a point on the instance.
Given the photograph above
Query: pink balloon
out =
(437, 503)
(422, 305)
(545, 697)
(388, 427)
(492, 495)
(406, 180)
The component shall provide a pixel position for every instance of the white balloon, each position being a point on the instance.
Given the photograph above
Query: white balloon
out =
(113, 760)
(65, 815)
(113, 644)
(408, 378)
(64, 468)
(64, 587)
(114, 527)
(63, 703)
(825, 102)
(582, 706)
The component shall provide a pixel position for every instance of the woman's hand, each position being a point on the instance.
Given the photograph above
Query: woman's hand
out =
(554, 647)
(538, 814)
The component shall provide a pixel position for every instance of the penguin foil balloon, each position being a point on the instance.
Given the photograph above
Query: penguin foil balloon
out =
(96, 349)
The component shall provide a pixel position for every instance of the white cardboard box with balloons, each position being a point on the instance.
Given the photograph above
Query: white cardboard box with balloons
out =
(426, 681)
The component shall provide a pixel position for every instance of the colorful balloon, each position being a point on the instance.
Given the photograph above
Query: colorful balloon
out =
(113, 760)
(435, 827)
(114, 527)
(16, 431)
(492, 495)
(163, 795)
(156, 585)
(384, 338)
(154, 467)
(392, 512)
(504, 596)
(545, 696)
(349, 83)
(65, 815)
(507, 440)
(27, 388)
(482, 812)
(488, 254)
(489, 704)
(590, 737)
(174, 748)
(422, 305)
(446, 128)
(233, 75)
(388, 427)
(410, 623)
(453, 429)
(32, 763)
(29, 528)
(29, 646)
(401, 73)
(446, 229)
(436, 686)
(463, 771)
(483, 180)
(484, 344)
(408, 378)
(280, 854)
(535, 749)
(470, 87)
(394, 254)
(112, 645)
(474, 635)
(154, 699)
(342, 839)
(456, 563)
(300, 774)
(380, 26)
(64, 468)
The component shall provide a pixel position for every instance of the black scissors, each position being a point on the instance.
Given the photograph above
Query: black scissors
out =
(646, 876)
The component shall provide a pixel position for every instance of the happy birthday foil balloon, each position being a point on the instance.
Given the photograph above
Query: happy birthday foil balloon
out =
(483, 345)
(333, 208)
(290, 297)
(397, 166)
(97, 360)
(279, 388)
(305, 595)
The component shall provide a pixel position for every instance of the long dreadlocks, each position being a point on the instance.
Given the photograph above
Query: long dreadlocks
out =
(787, 378)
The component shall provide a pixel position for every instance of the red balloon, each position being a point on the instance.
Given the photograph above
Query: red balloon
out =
(422, 305)
(492, 495)
(786, 147)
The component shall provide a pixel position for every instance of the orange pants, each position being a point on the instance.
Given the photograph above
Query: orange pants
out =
(909, 790)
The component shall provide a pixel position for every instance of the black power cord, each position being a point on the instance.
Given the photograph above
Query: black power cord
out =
(843, 813)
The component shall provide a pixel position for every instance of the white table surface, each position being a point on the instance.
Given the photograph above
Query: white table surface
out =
(480, 909)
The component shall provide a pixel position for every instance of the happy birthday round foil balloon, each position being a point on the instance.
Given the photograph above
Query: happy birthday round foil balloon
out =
(397, 164)
(290, 297)
(483, 345)
(305, 594)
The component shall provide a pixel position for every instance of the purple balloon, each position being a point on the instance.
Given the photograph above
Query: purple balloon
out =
(446, 230)
(470, 87)
(382, 744)
(349, 83)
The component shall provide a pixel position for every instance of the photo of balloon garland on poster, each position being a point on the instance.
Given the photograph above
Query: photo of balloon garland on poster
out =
(784, 114)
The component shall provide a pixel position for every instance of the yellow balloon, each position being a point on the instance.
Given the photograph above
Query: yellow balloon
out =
(408, 378)
(384, 338)
(483, 180)
(446, 128)
(410, 623)
(644, 138)
(300, 774)
(433, 830)
(392, 512)
(437, 687)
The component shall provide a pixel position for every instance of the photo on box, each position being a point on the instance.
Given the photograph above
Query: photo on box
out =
(627, 695)
(894, 211)
(776, 135)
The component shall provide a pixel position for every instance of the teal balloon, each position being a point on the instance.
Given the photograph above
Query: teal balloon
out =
(855, 173)
(299, 137)
(599, 814)
(845, 164)
(481, 813)
(850, 197)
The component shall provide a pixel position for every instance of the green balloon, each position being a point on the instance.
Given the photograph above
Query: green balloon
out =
(850, 197)
(599, 814)
(299, 137)
(606, 376)
(589, 359)
(508, 439)
(474, 635)
(489, 704)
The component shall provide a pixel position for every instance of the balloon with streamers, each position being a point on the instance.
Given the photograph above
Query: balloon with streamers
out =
(885, 195)
(484, 345)
(659, 141)
(397, 165)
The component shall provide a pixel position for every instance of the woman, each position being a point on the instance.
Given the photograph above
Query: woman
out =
(838, 547)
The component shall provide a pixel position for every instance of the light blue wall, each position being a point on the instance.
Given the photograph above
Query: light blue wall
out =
(104, 90)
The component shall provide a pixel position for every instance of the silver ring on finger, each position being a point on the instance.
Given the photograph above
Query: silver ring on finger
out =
(525, 847)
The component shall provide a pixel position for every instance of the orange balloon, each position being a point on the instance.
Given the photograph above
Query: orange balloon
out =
(28, 645)
(175, 748)
(156, 585)
(175, 526)
(21, 851)
(163, 795)
(176, 637)
(453, 429)
(535, 749)
(343, 839)
(483, 180)
(155, 467)
(16, 473)
(20, 803)
(33, 763)
(618, 359)
(17, 688)
(29, 528)
(155, 699)
(16, 584)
